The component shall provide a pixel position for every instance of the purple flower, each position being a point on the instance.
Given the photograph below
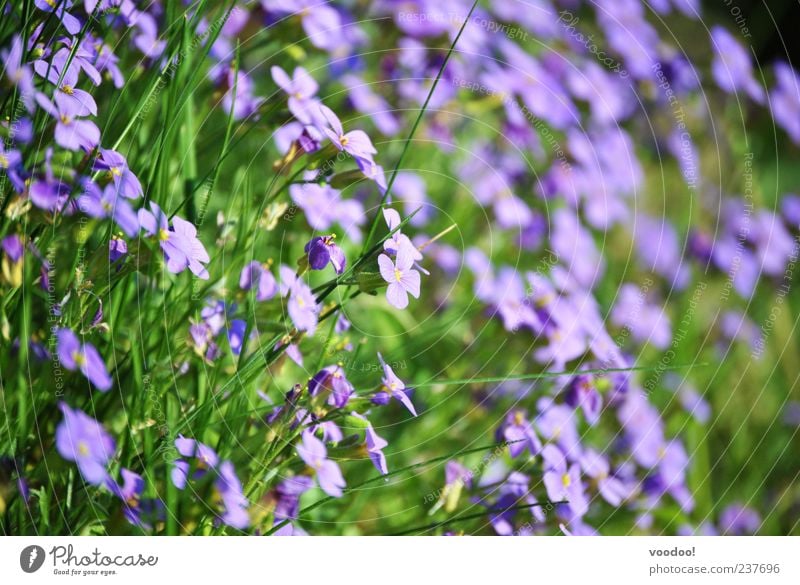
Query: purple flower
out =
(732, 68)
(68, 97)
(323, 249)
(394, 387)
(301, 89)
(563, 483)
(70, 133)
(84, 357)
(180, 245)
(332, 378)
(375, 445)
(60, 7)
(116, 165)
(130, 492)
(117, 248)
(205, 459)
(258, 275)
(323, 206)
(234, 502)
(368, 102)
(582, 393)
(356, 142)
(17, 72)
(82, 439)
(739, 520)
(302, 306)
(287, 496)
(518, 432)
(320, 22)
(613, 489)
(107, 204)
(313, 452)
(785, 100)
(402, 278)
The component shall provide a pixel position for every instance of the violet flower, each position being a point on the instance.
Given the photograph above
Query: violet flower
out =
(125, 181)
(259, 276)
(402, 278)
(180, 245)
(301, 89)
(323, 249)
(375, 445)
(356, 142)
(82, 439)
(59, 8)
(313, 452)
(394, 387)
(563, 483)
(71, 132)
(99, 205)
(84, 357)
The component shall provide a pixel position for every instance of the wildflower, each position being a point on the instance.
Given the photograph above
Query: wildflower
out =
(205, 459)
(71, 132)
(303, 308)
(519, 433)
(356, 142)
(258, 275)
(17, 72)
(785, 100)
(68, 97)
(375, 445)
(84, 357)
(323, 249)
(180, 245)
(108, 204)
(732, 68)
(130, 493)
(563, 483)
(329, 476)
(234, 502)
(116, 166)
(301, 89)
(59, 8)
(117, 248)
(738, 520)
(332, 378)
(394, 387)
(402, 278)
(320, 22)
(82, 439)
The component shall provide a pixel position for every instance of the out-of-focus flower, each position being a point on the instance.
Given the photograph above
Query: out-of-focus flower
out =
(375, 445)
(105, 204)
(82, 439)
(84, 357)
(71, 132)
(301, 89)
(258, 276)
(732, 67)
(329, 476)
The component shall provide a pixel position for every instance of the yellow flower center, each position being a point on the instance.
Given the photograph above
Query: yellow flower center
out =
(3, 161)
(67, 89)
(300, 302)
(65, 119)
(83, 448)
(343, 140)
(518, 419)
(397, 275)
(115, 171)
(78, 358)
(51, 3)
(565, 480)
(163, 235)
